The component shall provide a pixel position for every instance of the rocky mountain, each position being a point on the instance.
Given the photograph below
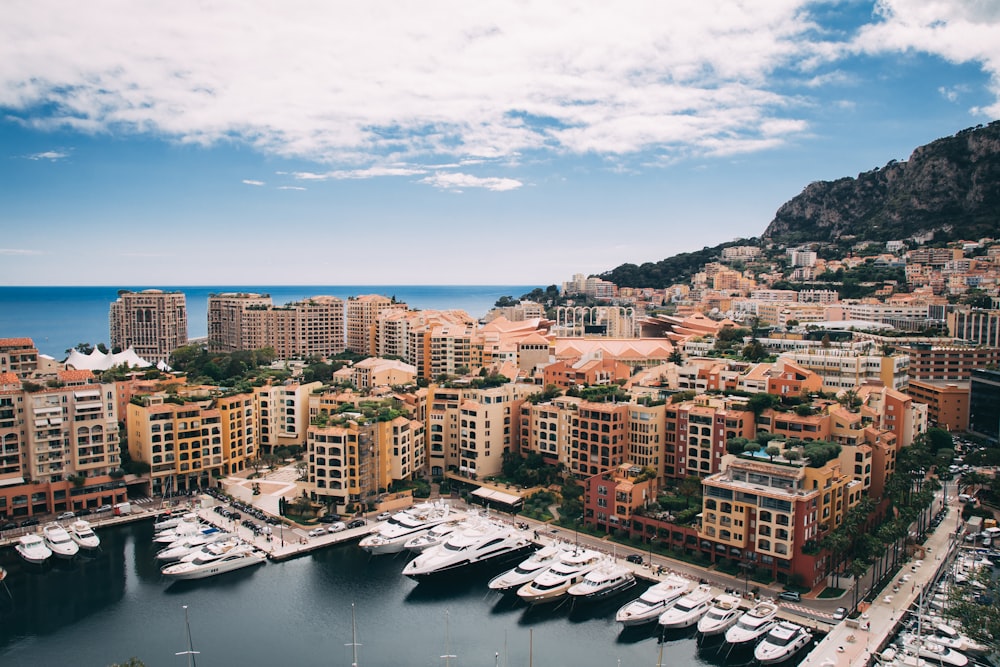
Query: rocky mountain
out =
(950, 186)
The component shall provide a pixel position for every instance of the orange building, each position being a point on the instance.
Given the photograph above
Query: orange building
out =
(947, 402)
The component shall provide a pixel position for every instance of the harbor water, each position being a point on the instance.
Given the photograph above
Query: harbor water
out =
(98, 610)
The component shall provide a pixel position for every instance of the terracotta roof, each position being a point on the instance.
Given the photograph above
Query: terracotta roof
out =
(73, 375)
(16, 342)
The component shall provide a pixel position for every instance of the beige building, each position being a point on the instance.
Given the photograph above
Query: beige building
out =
(376, 372)
(235, 322)
(18, 356)
(151, 322)
(362, 315)
(311, 327)
(282, 414)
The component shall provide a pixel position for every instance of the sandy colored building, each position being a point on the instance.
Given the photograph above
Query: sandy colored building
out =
(947, 402)
(362, 314)
(152, 322)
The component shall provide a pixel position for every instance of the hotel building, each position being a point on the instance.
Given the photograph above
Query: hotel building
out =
(151, 322)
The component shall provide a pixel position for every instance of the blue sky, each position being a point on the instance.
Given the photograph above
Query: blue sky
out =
(449, 142)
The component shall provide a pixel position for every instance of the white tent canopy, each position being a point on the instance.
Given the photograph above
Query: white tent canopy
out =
(98, 361)
(497, 496)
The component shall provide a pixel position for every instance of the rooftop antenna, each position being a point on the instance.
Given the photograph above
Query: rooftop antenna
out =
(354, 639)
(190, 652)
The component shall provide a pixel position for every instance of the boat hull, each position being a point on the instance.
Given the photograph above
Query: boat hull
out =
(490, 560)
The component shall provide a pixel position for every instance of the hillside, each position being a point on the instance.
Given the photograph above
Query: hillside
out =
(950, 186)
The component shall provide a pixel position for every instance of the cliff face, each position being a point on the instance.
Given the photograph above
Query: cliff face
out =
(950, 186)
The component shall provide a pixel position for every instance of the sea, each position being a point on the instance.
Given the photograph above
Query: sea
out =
(57, 319)
(104, 609)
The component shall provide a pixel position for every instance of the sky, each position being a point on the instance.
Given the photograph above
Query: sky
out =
(449, 142)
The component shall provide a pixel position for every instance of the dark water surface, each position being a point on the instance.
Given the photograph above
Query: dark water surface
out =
(105, 609)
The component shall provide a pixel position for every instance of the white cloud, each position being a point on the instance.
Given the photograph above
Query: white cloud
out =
(18, 251)
(290, 187)
(248, 181)
(48, 155)
(371, 172)
(457, 181)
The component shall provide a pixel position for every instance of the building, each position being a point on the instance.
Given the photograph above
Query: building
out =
(362, 314)
(18, 356)
(612, 498)
(376, 372)
(850, 367)
(585, 372)
(152, 322)
(948, 362)
(282, 415)
(984, 397)
(947, 402)
(981, 327)
(245, 322)
(599, 439)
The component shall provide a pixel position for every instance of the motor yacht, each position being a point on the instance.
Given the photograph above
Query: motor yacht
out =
(171, 521)
(528, 569)
(390, 536)
(606, 580)
(84, 536)
(687, 610)
(182, 547)
(207, 552)
(555, 582)
(781, 642)
(654, 601)
(32, 549)
(721, 616)
(754, 623)
(433, 537)
(933, 652)
(479, 543)
(57, 539)
(183, 529)
(239, 557)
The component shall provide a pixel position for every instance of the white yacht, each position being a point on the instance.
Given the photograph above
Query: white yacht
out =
(933, 652)
(207, 552)
(183, 529)
(606, 580)
(239, 557)
(654, 601)
(555, 582)
(58, 541)
(478, 543)
(390, 536)
(782, 642)
(753, 624)
(184, 546)
(721, 616)
(84, 536)
(32, 549)
(688, 610)
(433, 537)
(171, 521)
(528, 569)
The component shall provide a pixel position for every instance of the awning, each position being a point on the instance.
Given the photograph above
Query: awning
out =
(497, 496)
(11, 481)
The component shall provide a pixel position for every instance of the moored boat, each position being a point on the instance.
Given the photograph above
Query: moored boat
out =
(32, 549)
(58, 541)
(721, 616)
(390, 536)
(781, 642)
(555, 582)
(688, 610)
(239, 557)
(81, 532)
(433, 537)
(754, 623)
(481, 543)
(654, 601)
(606, 580)
(528, 569)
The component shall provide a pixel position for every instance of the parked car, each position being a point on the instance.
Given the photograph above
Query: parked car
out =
(634, 558)
(790, 596)
(357, 523)
(316, 532)
(29, 522)
(840, 613)
(84, 512)
(383, 516)
(336, 527)
(10, 525)
(66, 516)
(103, 508)
(329, 518)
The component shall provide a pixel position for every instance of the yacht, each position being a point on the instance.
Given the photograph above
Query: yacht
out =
(688, 610)
(753, 624)
(480, 543)
(782, 642)
(239, 557)
(32, 549)
(207, 552)
(433, 537)
(555, 582)
(171, 521)
(528, 569)
(181, 530)
(654, 601)
(58, 541)
(721, 616)
(390, 536)
(84, 536)
(604, 581)
(182, 547)
(933, 652)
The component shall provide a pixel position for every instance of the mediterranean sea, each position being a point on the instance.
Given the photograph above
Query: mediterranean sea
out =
(58, 318)
(103, 609)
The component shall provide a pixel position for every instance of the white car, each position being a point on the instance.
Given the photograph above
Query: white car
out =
(336, 527)
(383, 516)
(316, 532)
(840, 613)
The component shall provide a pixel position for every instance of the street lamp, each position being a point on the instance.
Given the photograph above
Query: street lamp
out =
(746, 577)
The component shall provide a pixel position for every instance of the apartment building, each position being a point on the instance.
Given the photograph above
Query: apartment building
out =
(235, 321)
(612, 498)
(59, 446)
(282, 414)
(851, 367)
(189, 445)
(152, 322)
(547, 427)
(376, 372)
(586, 372)
(599, 440)
(18, 356)
(981, 327)
(362, 314)
(984, 397)
(947, 402)
(948, 362)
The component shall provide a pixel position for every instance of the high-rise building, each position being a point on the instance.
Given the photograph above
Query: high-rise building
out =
(151, 322)
(984, 397)
(234, 321)
(362, 314)
(313, 326)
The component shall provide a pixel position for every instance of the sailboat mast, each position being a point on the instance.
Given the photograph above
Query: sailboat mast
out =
(190, 652)
(447, 642)
(354, 639)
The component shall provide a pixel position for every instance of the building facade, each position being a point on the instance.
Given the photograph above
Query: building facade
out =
(151, 322)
